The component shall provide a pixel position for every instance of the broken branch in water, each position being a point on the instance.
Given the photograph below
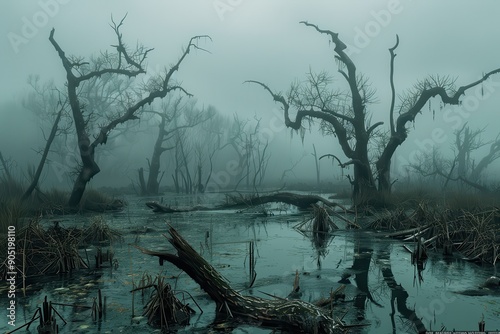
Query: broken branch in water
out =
(295, 315)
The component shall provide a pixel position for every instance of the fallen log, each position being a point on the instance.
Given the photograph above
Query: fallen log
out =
(295, 315)
(236, 202)
(300, 201)
(160, 208)
(409, 233)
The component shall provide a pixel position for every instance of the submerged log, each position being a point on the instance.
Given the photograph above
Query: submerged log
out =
(295, 315)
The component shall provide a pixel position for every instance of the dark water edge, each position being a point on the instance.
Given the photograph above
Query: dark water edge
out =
(379, 269)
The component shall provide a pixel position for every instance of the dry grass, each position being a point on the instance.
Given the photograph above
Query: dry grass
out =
(476, 235)
(472, 230)
(94, 200)
(100, 232)
(12, 209)
(54, 201)
(55, 249)
(164, 309)
(51, 251)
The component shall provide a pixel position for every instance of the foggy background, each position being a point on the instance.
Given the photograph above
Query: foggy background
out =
(260, 40)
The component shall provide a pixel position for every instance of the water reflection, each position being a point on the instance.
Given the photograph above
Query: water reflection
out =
(361, 266)
(380, 271)
(399, 295)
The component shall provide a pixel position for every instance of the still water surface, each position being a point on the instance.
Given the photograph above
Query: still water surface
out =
(382, 290)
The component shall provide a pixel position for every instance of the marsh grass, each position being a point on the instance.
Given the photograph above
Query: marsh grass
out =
(94, 196)
(97, 201)
(55, 250)
(99, 231)
(46, 251)
(54, 201)
(12, 209)
(164, 309)
(461, 221)
(452, 199)
(470, 201)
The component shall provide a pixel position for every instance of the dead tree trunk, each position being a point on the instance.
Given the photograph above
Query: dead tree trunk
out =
(5, 167)
(142, 182)
(184, 163)
(492, 155)
(347, 118)
(294, 315)
(175, 178)
(125, 63)
(38, 172)
(316, 161)
(153, 184)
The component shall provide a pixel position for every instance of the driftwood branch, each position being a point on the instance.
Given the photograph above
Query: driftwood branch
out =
(294, 315)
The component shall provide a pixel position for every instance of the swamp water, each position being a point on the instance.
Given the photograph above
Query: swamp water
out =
(381, 291)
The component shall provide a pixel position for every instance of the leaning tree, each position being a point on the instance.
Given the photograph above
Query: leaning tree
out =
(344, 113)
(45, 101)
(125, 63)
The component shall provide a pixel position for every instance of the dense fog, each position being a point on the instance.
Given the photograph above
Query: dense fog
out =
(229, 132)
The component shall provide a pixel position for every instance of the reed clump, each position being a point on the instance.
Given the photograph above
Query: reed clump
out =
(99, 231)
(456, 223)
(164, 309)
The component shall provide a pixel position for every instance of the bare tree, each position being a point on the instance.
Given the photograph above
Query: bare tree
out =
(462, 166)
(50, 106)
(344, 113)
(127, 63)
(183, 152)
(433, 165)
(492, 155)
(466, 141)
(36, 176)
(212, 138)
(5, 167)
(251, 150)
(170, 122)
(291, 168)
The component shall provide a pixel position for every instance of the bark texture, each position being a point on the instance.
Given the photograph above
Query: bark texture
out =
(294, 315)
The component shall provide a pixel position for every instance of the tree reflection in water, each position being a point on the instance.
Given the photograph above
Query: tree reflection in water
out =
(361, 266)
(398, 293)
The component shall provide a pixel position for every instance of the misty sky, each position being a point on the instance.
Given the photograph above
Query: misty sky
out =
(263, 40)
